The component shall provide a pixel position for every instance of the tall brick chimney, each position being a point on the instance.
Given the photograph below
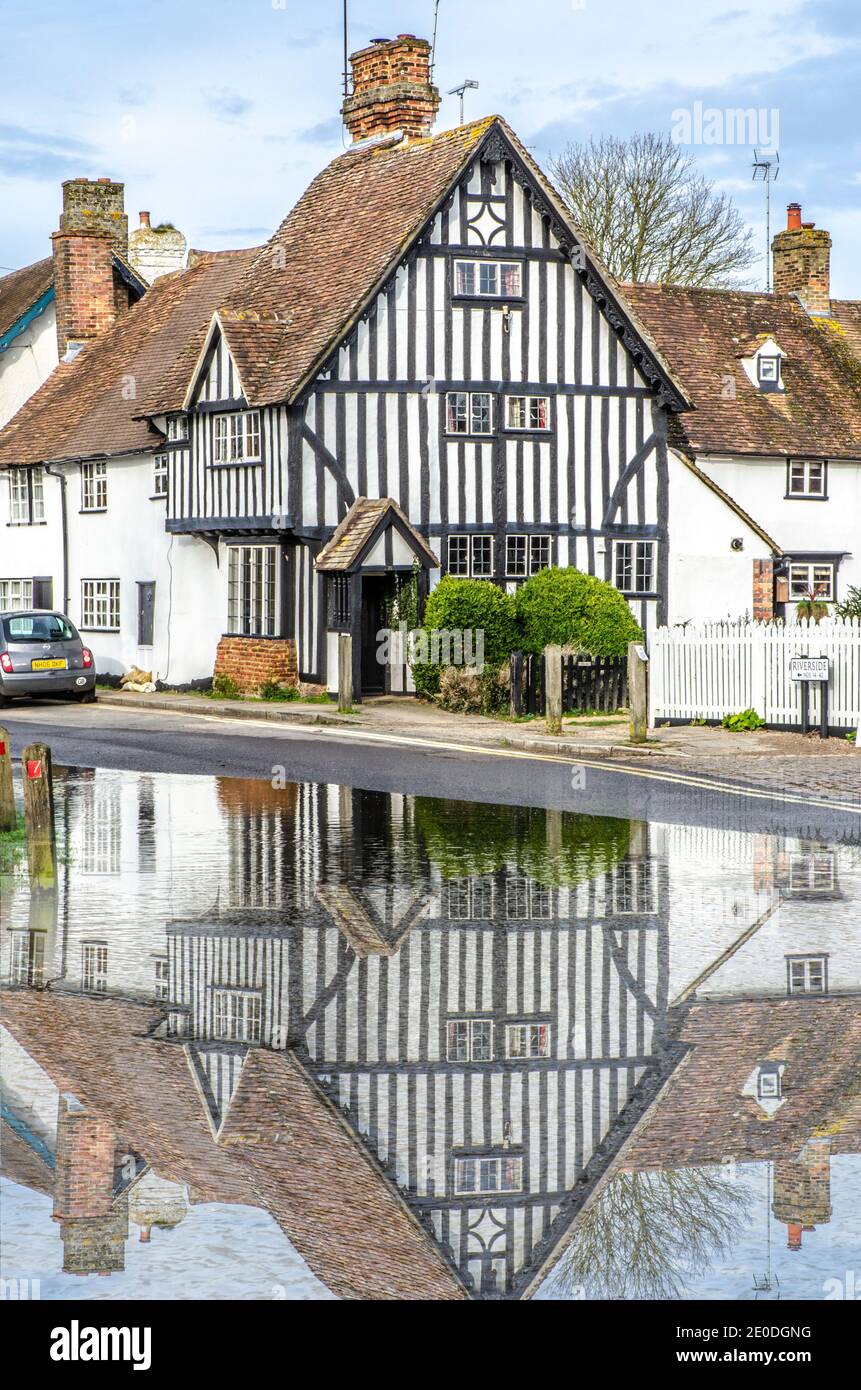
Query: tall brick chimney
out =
(94, 1226)
(93, 225)
(802, 262)
(392, 89)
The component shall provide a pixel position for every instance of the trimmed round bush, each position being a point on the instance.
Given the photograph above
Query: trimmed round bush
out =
(566, 608)
(458, 605)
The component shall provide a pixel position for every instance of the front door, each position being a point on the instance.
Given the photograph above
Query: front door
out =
(376, 590)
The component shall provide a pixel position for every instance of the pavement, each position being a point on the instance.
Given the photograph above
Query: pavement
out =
(801, 764)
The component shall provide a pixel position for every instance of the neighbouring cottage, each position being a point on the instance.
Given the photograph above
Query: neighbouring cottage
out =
(426, 330)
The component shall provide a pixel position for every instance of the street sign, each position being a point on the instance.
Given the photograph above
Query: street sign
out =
(809, 668)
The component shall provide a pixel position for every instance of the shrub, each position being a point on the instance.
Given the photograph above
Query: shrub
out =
(566, 608)
(852, 607)
(226, 688)
(458, 605)
(271, 690)
(463, 689)
(741, 723)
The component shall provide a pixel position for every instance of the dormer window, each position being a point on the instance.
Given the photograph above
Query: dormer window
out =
(177, 428)
(769, 1082)
(768, 373)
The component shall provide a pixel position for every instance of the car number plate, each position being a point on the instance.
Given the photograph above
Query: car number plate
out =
(53, 665)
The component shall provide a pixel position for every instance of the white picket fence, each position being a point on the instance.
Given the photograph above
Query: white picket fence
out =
(714, 669)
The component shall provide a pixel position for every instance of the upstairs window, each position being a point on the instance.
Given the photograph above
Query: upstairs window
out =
(94, 487)
(469, 412)
(237, 437)
(470, 899)
(526, 555)
(635, 566)
(470, 557)
(768, 372)
(528, 1039)
(252, 585)
(177, 429)
(807, 974)
(527, 413)
(26, 496)
(489, 279)
(806, 579)
(95, 968)
(159, 475)
(469, 1040)
(806, 478)
(236, 1016)
(488, 1173)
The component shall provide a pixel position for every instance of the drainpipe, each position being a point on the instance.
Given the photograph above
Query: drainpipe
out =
(64, 513)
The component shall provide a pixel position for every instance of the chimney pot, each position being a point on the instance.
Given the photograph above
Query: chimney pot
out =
(793, 217)
(144, 217)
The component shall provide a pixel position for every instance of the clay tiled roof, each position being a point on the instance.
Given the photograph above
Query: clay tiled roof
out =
(20, 290)
(344, 551)
(703, 333)
(90, 406)
(847, 313)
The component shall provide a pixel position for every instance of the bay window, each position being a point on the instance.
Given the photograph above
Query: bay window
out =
(252, 586)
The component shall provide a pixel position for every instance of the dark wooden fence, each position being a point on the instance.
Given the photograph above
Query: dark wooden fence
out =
(588, 683)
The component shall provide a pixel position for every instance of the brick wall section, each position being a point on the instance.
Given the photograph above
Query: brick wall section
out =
(802, 266)
(763, 591)
(392, 89)
(93, 224)
(252, 660)
(85, 1164)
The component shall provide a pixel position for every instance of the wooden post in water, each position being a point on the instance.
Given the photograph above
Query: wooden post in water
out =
(553, 686)
(345, 671)
(8, 815)
(638, 691)
(39, 814)
(515, 696)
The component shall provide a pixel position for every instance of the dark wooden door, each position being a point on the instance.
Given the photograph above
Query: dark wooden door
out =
(375, 590)
(146, 613)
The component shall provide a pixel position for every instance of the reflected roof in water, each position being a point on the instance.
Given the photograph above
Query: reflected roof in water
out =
(333, 1042)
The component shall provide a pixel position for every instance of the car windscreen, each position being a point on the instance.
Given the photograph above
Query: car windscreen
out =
(38, 627)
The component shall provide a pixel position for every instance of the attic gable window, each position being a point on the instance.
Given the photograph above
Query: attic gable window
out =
(768, 372)
(488, 279)
(469, 412)
(237, 437)
(177, 428)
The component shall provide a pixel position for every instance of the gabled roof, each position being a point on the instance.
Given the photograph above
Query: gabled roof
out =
(361, 528)
(21, 291)
(703, 334)
(846, 313)
(344, 241)
(90, 407)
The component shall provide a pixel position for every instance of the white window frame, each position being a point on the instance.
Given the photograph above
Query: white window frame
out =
(807, 968)
(476, 1175)
(253, 590)
(526, 900)
(94, 967)
(803, 581)
(526, 1041)
(470, 899)
(161, 968)
(473, 408)
(475, 545)
(237, 438)
(237, 1015)
(533, 549)
(26, 496)
(94, 487)
(16, 595)
(636, 550)
(160, 475)
(478, 1035)
(528, 408)
(805, 469)
(768, 362)
(177, 429)
(474, 270)
(100, 605)
(805, 872)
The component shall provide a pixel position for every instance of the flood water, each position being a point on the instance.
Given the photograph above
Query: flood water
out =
(315, 1043)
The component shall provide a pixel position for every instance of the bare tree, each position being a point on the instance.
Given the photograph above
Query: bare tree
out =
(649, 215)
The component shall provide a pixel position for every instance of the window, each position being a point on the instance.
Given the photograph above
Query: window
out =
(815, 579)
(339, 602)
(470, 557)
(26, 496)
(527, 413)
(15, 594)
(469, 1040)
(95, 969)
(528, 1039)
(526, 900)
(237, 1016)
(469, 412)
(177, 428)
(525, 555)
(635, 566)
(470, 899)
(159, 475)
(489, 279)
(769, 1085)
(28, 958)
(807, 974)
(100, 604)
(633, 889)
(252, 604)
(38, 627)
(806, 478)
(812, 873)
(94, 487)
(237, 437)
(161, 978)
(488, 1174)
(768, 373)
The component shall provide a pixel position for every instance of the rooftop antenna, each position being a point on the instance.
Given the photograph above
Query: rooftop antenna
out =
(459, 92)
(767, 170)
(433, 45)
(346, 54)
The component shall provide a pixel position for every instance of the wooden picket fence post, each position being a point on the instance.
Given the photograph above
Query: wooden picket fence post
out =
(8, 814)
(38, 781)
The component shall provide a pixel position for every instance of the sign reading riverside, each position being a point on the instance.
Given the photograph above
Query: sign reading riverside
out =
(809, 668)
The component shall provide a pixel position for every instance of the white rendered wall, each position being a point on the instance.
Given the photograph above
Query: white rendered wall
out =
(27, 362)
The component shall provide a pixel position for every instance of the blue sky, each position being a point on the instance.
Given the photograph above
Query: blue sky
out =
(217, 113)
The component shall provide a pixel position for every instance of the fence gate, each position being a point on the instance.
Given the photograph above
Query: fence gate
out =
(597, 683)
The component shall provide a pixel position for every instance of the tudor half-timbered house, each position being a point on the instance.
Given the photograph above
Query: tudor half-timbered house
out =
(426, 327)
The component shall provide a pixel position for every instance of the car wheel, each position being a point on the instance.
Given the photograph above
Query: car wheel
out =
(88, 698)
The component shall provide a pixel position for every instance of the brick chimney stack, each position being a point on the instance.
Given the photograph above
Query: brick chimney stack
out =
(802, 263)
(392, 90)
(93, 225)
(94, 1226)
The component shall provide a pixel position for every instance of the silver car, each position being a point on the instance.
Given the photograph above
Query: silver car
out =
(41, 653)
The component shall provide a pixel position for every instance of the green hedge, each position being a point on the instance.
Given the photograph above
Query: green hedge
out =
(469, 604)
(563, 607)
